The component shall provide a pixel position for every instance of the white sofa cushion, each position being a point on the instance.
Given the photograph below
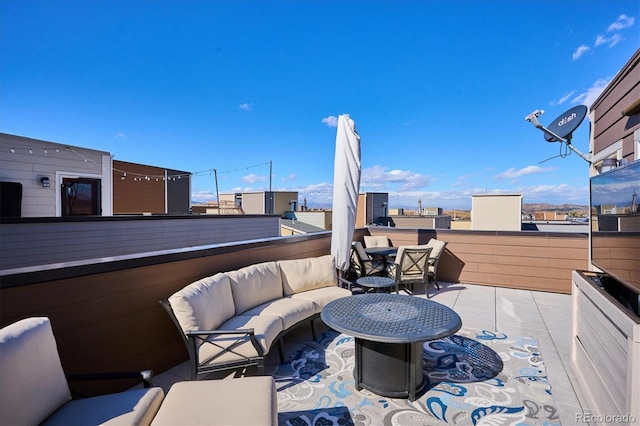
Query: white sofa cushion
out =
(291, 311)
(33, 382)
(321, 296)
(307, 274)
(204, 304)
(254, 285)
(243, 401)
(266, 328)
(134, 407)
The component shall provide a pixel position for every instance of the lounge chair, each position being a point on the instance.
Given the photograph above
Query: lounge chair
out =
(35, 389)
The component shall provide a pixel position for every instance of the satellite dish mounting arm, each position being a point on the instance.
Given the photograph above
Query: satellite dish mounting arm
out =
(533, 119)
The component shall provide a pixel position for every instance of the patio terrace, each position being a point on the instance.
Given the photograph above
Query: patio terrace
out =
(541, 315)
(106, 316)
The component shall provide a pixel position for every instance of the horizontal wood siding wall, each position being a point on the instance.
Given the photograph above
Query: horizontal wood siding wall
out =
(41, 243)
(527, 260)
(138, 188)
(610, 125)
(112, 321)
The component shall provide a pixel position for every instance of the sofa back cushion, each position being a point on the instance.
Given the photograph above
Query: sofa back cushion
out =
(307, 274)
(31, 376)
(204, 304)
(254, 285)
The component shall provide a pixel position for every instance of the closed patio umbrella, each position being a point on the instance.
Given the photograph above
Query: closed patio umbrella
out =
(346, 185)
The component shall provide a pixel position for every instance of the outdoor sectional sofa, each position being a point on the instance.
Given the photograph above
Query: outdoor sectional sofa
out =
(232, 319)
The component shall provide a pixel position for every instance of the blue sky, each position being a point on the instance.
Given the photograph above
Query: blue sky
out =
(438, 90)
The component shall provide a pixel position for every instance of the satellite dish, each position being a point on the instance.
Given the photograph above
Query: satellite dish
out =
(566, 123)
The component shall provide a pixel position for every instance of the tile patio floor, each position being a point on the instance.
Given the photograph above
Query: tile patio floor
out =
(543, 316)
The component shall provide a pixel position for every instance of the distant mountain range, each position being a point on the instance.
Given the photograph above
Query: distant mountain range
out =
(541, 207)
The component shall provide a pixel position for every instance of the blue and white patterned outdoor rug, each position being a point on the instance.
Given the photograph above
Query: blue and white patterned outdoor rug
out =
(473, 378)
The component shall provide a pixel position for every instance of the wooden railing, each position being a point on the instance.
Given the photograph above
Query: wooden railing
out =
(106, 316)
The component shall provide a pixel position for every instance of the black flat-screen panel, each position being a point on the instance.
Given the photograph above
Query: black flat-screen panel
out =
(615, 224)
(10, 199)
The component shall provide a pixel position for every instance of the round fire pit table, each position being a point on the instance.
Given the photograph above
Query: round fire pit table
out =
(389, 331)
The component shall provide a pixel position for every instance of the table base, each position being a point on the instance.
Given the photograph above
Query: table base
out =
(389, 369)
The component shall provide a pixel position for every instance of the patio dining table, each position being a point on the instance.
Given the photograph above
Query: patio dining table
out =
(382, 253)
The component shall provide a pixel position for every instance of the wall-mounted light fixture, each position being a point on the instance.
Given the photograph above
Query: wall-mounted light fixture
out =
(44, 180)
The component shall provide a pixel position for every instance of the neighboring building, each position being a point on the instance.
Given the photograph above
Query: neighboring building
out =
(432, 211)
(213, 207)
(373, 208)
(263, 202)
(295, 227)
(496, 212)
(422, 222)
(48, 179)
(138, 188)
(322, 219)
(549, 215)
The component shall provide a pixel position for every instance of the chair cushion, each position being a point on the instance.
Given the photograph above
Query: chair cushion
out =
(31, 376)
(376, 241)
(254, 285)
(291, 311)
(204, 304)
(307, 274)
(134, 407)
(242, 401)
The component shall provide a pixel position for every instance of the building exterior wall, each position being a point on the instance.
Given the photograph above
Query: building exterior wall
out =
(491, 212)
(422, 222)
(254, 202)
(432, 211)
(263, 202)
(25, 160)
(321, 218)
(282, 201)
(138, 188)
(377, 207)
(178, 192)
(614, 135)
(361, 211)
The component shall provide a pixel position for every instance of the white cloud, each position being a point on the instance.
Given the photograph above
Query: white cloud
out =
(331, 121)
(253, 178)
(623, 22)
(246, 106)
(291, 177)
(378, 178)
(514, 173)
(579, 52)
(592, 93)
(121, 136)
(611, 41)
(563, 99)
(202, 196)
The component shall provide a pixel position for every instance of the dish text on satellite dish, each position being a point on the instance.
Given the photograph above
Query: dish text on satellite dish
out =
(566, 123)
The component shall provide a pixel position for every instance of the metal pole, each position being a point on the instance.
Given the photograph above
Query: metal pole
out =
(215, 175)
(270, 191)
